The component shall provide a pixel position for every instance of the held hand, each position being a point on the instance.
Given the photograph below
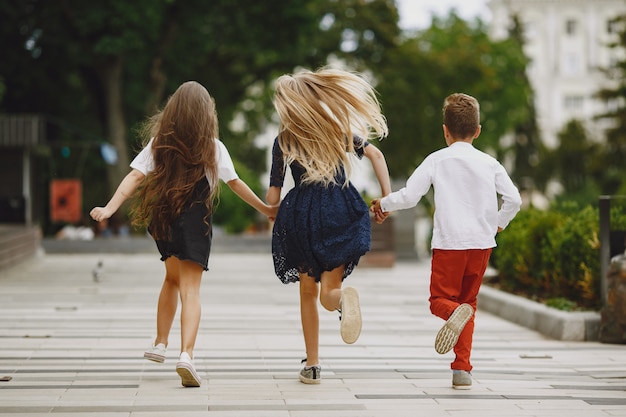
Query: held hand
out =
(379, 214)
(272, 211)
(100, 213)
(375, 205)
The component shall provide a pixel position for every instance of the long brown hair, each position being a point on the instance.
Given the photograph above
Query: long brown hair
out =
(184, 150)
(319, 113)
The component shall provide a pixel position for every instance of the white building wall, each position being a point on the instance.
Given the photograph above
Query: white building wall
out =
(566, 41)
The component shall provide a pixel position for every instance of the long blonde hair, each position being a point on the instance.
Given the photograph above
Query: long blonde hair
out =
(184, 150)
(319, 114)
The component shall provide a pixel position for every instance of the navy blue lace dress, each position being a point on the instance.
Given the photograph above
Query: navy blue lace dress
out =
(318, 228)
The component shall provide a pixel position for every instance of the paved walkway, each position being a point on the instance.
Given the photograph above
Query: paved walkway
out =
(73, 347)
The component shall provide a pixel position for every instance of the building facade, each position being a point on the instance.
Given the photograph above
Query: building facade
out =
(567, 42)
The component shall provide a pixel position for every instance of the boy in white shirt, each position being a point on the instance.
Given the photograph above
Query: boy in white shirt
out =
(466, 184)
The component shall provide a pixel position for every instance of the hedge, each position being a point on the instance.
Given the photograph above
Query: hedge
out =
(553, 256)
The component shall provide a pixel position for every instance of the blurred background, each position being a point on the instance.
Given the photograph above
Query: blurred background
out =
(78, 77)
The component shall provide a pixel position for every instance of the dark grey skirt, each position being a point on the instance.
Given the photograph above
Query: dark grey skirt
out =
(190, 235)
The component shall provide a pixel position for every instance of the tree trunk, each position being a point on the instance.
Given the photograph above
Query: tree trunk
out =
(157, 76)
(111, 77)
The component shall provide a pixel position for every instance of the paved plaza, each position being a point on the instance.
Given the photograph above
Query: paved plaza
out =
(72, 346)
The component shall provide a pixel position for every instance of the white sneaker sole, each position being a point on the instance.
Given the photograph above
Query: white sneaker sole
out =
(449, 334)
(350, 315)
(188, 375)
(154, 357)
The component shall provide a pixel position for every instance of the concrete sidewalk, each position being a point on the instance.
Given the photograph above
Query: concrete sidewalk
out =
(73, 347)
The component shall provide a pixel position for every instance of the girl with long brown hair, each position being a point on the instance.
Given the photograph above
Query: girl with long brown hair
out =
(175, 179)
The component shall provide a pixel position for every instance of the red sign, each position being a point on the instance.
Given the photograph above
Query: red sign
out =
(66, 201)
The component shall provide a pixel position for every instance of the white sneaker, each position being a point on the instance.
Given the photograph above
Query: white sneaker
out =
(188, 375)
(156, 353)
(350, 315)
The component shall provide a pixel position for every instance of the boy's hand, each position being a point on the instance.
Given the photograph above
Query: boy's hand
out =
(379, 214)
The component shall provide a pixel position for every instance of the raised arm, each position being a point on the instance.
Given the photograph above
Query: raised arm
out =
(377, 158)
(379, 164)
(126, 188)
(246, 194)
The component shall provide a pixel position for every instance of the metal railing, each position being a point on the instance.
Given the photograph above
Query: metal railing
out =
(21, 130)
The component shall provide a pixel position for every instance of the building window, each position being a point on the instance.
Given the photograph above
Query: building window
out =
(612, 26)
(573, 64)
(612, 105)
(574, 102)
(571, 26)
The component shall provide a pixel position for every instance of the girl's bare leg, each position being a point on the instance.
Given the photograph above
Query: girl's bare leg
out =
(189, 288)
(310, 318)
(334, 298)
(330, 296)
(168, 301)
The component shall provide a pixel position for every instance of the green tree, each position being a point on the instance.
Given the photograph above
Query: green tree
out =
(610, 171)
(571, 163)
(528, 149)
(123, 57)
(450, 56)
(351, 33)
(357, 32)
(96, 69)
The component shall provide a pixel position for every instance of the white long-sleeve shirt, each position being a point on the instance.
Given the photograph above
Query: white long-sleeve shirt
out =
(466, 185)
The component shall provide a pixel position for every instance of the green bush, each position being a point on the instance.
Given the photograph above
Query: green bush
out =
(234, 214)
(518, 256)
(554, 255)
(572, 258)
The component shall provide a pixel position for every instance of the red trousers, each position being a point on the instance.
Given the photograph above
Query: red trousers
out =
(456, 276)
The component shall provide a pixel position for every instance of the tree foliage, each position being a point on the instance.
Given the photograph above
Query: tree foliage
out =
(610, 170)
(97, 69)
(450, 56)
(528, 149)
(572, 163)
(120, 59)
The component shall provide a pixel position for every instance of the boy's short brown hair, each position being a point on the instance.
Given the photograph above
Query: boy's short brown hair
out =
(461, 114)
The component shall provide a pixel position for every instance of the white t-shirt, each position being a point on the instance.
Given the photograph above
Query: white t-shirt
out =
(466, 185)
(144, 162)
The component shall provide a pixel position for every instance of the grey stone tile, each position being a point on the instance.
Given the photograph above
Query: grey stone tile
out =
(74, 348)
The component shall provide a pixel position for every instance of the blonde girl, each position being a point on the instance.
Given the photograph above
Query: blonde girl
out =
(323, 226)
